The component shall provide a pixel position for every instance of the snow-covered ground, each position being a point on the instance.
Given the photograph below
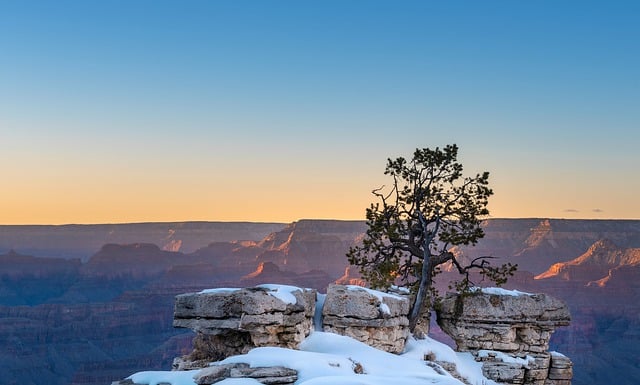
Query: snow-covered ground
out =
(329, 359)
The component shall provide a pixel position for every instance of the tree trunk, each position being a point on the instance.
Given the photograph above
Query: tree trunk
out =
(420, 315)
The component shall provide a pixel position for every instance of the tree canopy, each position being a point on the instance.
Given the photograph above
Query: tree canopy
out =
(428, 208)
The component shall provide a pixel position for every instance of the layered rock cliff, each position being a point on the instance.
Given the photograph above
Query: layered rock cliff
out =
(595, 265)
(603, 334)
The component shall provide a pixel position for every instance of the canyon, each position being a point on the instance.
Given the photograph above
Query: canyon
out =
(88, 304)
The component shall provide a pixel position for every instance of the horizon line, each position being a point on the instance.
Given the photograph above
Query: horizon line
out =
(285, 223)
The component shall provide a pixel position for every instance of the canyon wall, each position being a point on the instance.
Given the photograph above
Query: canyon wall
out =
(121, 294)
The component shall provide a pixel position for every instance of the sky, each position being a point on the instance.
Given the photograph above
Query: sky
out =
(274, 111)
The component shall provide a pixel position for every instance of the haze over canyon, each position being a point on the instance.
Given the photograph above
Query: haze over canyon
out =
(89, 304)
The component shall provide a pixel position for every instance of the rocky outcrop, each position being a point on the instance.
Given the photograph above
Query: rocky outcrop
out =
(377, 319)
(508, 323)
(265, 375)
(233, 321)
(509, 332)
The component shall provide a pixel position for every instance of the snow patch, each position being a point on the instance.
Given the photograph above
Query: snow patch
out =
(401, 289)
(283, 292)
(506, 358)
(156, 377)
(378, 294)
(239, 381)
(499, 291)
(219, 290)
(466, 365)
(328, 359)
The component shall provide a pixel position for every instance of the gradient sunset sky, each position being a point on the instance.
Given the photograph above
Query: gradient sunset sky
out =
(131, 111)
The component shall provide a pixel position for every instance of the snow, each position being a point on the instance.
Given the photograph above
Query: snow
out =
(466, 365)
(507, 358)
(239, 381)
(328, 359)
(499, 291)
(157, 377)
(282, 292)
(401, 289)
(219, 290)
(378, 294)
(236, 381)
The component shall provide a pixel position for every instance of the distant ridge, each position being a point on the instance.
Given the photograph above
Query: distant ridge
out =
(595, 264)
(534, 242)
(81, 241)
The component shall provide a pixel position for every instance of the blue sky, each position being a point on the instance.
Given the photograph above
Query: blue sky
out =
(119, 111)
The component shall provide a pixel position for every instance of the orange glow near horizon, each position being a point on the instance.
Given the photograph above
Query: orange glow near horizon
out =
(157, 203)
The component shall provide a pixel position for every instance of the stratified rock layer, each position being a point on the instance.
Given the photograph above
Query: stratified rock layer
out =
(508, 323)
(266, 375)
(510, 334)
(229, 322)
(377, 319)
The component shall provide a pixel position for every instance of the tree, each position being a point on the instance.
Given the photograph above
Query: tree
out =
(429, 208)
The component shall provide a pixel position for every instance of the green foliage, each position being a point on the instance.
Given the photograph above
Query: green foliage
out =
(429, 207)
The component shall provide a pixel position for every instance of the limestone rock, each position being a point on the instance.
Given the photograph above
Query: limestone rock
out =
(511, 373)
(510, 334)
(509, 323)
(377, 319)
(229, 322)
(265, 375)
(561, 367)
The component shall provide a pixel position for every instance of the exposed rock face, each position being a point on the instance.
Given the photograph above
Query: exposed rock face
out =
(510, 334)
(265, 375)
(595, 264)
(377, 320)
(351, 277)
(134, 260)
(233, 321)
(80, 241)
(271, 272)
(535, 244)
(508, 323)
(312, 244)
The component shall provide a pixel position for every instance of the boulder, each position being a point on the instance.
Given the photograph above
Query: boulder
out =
(510, 373)
(513, 323)
(509, 332)
(372, 317)
(561, 368)
(233, 321)
(265, 375)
